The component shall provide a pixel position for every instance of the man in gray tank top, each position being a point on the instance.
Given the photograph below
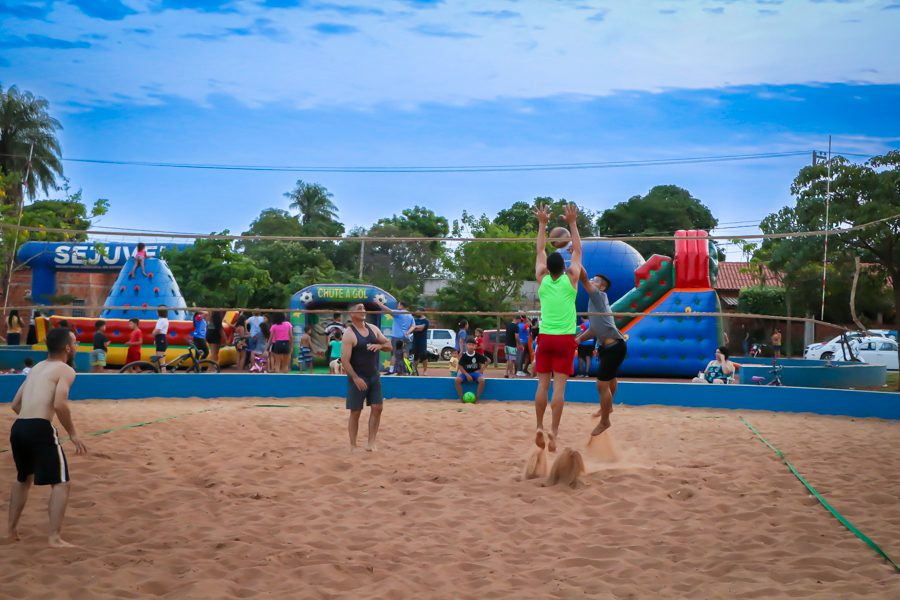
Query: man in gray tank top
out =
(611, 346)
(359, 357)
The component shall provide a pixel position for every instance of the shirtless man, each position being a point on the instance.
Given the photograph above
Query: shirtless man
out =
(35, 444)
(555, 356)
(359, 358)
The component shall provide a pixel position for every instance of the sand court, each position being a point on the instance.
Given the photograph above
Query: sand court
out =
(246, 501)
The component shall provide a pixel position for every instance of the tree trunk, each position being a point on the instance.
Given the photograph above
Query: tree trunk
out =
(853, 314)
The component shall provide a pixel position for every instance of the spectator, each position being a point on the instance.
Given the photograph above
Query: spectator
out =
(135, 343)
(13, 328)
(471, 369)
(31, 337)
(335, 350)
(215, 334)
(257, 343)
(160, 336)
(420, 340)
(524, 347)
(585, 351)
(101, 343)
(28, 364)
(281, 344)
(461, 336)
(776, 343)
(240, 340)
(511, 341)
(198, 337)
(334, 326)
(140, 257)
(718, 371)
(401, 332)
(305, 354)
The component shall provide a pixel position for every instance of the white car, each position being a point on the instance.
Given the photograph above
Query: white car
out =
(877, 351)
(441, 342)
(834, 350)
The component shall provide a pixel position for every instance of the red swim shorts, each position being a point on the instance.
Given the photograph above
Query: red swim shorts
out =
(555, 354)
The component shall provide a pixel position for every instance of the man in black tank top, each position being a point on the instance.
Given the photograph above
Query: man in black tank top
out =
(359, 358)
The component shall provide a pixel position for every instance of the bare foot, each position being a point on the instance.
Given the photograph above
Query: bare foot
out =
(11, 537)
(371, 448)
(57, 542)
(539, 439)
(601, 427)
(597, 414)
(551, 444)
(354, 448)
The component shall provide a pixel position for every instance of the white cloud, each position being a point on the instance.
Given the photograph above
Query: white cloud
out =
(551, 49)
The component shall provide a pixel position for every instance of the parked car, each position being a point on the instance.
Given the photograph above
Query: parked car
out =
(490, 340)
(877, 351)
(832, 350)
(441, 343)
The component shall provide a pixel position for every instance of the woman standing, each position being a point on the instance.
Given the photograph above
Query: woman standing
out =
(215, 333)
(280, 344)
(13, 328)
(461, 336)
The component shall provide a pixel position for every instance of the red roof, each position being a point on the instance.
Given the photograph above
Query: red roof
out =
(740, 275)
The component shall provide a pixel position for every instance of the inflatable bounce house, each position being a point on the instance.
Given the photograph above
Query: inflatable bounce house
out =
(674, 346)
(336, 298)
(140, 296)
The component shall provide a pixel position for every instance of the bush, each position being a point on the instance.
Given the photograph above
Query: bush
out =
(762, 301)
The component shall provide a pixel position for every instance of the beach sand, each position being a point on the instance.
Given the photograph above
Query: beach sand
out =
(252, 502)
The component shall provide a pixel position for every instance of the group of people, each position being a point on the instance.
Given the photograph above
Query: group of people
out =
(265, 343)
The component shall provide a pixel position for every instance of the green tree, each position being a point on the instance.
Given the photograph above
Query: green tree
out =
(485, 276)
(26, 128)
(212, 273)
(317, 213)
(860, 193)
(664, 210)
(395, 266)
(519, 218)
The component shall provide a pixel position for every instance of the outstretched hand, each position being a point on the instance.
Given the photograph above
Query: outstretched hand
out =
(571, 214)
(542, 213)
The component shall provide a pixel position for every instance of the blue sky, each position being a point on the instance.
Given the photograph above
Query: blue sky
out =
(406, 82)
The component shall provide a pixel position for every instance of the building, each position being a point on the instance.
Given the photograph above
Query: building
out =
(736, 276)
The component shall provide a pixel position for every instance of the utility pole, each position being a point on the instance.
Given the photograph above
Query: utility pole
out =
(362, 256)
(827, 206)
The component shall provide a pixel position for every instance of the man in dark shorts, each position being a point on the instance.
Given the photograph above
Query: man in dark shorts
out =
(35, 444)
(612, 347)
(420, 340)
(359, 358)
(555, 355)
(512, 346)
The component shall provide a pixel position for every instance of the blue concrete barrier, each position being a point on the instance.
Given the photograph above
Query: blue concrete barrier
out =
(13, 357)
(785, 399)
(843, 375)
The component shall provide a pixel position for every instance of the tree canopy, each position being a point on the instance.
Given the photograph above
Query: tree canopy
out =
(27, 129)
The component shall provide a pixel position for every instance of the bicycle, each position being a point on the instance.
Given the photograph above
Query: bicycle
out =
(197, 365)
(776, 376)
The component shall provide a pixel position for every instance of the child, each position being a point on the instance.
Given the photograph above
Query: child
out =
(160, 335)
(139, 258)
(198, 337)
(135, 340)
(454, 363)
(240, 340)
(335, 347)
(101, 343)
(305, 357)
(28, 364)
(472, 369)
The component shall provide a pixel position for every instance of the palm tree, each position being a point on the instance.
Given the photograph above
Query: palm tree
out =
(27, 127)
(313, 202)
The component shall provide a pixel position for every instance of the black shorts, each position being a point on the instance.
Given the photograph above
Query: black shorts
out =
(420, 353)
(585, 351)
(281, 347)
(161, 343)
(372, 395)
(611, 358)
(36, 451)
(201, 346)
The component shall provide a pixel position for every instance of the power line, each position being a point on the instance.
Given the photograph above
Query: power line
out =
(443, 169)
(314, 238)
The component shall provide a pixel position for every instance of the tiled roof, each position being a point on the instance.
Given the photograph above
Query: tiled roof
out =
(740, 275)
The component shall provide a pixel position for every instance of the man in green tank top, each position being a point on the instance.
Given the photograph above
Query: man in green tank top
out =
(557, 287)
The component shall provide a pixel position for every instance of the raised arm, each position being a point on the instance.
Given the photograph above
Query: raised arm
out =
(585, 281)
(575, 264)
(540, 262)
(384, 307)
(61, 407)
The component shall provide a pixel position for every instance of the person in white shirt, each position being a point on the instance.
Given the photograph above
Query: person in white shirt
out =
(160, 335)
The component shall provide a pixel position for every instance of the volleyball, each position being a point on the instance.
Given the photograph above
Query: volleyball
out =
(560, 237)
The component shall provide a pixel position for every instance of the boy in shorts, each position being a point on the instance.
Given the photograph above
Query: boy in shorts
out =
(471, 369)
(101, 344)
(36, 449)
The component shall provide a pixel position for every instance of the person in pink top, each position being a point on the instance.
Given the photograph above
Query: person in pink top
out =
(280, 344)
(140, 257)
